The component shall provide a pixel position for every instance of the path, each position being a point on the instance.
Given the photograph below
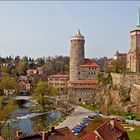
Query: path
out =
(73, 119)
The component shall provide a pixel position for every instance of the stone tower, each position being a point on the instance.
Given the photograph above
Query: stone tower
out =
(76, 55)
(133, 56)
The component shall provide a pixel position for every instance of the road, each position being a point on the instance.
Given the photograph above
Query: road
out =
(73, 119)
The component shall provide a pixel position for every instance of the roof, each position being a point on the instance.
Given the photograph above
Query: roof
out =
(117, 53)
(62, 134)
(89, 63)
(30, 70)
(39, 68)
(57, 134)
(78, 36)
(90, 136)
(59, 75)
(111, 130)
(94, 82)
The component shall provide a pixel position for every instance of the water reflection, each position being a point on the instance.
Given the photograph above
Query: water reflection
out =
(32, 123)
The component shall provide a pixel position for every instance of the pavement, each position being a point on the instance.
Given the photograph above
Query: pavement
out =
(73, 119)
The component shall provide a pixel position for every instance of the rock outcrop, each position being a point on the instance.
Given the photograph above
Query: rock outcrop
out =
(122, 98)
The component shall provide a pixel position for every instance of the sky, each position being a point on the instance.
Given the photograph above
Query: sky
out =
(44, 28)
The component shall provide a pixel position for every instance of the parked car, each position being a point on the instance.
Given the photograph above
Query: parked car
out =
(85, 121)
(130, 117)
(98, 111)
(83, 125)
(77, 129)
(92, 116)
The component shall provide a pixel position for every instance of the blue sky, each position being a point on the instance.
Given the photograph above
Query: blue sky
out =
(44, 28)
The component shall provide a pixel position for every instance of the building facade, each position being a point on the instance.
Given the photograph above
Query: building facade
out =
(59, 81)
(121, 57)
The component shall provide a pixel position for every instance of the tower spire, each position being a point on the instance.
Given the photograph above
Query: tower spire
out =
(139, 18)
(78, 32)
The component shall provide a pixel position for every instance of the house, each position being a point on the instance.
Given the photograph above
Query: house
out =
(31, 72)
(59, 81)
(54, 134)
(110, 130)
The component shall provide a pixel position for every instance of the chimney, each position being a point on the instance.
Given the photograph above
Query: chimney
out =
(18, 133)
(53, 129)
(44, 135)
(112, 123)
(96, 137)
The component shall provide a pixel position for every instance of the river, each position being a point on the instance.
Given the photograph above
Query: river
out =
(28, 122)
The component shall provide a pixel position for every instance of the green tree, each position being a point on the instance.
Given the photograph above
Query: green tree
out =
(9, 83)
(6, 109)
(21, 67)
(4, 69)
(117, 66)
(42, 90)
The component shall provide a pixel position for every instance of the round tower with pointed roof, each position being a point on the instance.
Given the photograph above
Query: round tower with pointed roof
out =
(76, 55)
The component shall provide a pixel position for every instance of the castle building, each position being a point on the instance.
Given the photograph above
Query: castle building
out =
(83, 72)
(133, 56)
(59, 81)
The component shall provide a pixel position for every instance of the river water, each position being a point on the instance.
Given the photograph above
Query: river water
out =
(29, 122)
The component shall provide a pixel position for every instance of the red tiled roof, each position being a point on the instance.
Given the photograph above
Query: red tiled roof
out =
(30, 70)
(59, 76)
(62, 134)
(112, 132)
(89, 63)
(107, 131)
(58, 134)
(83, 82)
(90, 136)
(39, 68)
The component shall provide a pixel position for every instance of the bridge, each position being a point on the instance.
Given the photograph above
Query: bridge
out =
(22, 98)
(27, 98)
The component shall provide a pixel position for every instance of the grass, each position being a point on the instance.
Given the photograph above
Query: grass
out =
(135, 134)
(124, 114)
(89, 107)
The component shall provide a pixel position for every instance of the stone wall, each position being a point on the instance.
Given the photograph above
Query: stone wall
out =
(135, 94)
(125, 79)
(87, 73)
(79, 95)
(76, 58)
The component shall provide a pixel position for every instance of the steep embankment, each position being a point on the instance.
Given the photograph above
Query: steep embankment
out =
(118, 98)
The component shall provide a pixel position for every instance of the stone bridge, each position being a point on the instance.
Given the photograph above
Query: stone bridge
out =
(27, 98)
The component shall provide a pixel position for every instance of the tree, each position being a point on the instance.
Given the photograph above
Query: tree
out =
(117, 66)
(42, 90)
(6, 109)
(4, 69)
(9, 83)
(40, 61)
(21, 67)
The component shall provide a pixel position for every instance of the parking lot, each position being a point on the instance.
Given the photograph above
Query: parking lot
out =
(72, 120)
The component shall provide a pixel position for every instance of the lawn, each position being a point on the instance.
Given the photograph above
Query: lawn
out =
(135, 134)
(89, 107)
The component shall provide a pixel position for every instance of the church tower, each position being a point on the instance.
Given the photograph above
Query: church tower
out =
(133, 56)
(76, 55)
